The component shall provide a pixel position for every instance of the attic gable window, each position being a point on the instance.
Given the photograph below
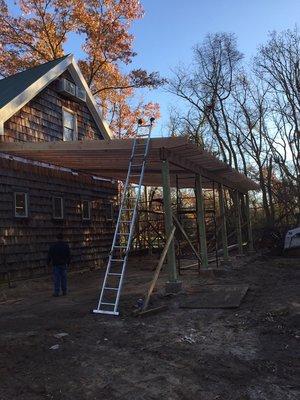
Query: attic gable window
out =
(69, 125)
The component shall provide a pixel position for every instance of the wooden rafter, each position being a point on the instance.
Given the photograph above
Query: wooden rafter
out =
(110, 158)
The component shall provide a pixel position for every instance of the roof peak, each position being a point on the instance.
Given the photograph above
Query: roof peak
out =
(54, 61)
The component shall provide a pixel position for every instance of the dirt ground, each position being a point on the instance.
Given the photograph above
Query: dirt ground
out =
(246, 353)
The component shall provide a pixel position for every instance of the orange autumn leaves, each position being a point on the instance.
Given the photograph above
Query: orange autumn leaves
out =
(40, 30)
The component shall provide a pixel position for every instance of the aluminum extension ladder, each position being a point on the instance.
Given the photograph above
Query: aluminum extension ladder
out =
(116, 266)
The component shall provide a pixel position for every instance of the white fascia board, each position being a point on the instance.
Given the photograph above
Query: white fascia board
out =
(28, 94)
(90, 100)
(1, 128)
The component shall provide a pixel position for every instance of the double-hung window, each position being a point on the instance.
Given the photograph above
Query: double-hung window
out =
(58, 208)
(86, 210)
(21, 204)
(69, 125)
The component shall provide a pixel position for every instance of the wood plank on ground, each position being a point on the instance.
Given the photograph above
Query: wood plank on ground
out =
(217, 296)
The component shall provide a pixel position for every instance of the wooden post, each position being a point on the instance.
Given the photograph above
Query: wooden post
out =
(223, 223)
(147, 230)
(249, 224)
(168, 221)
(201, 220)
(238, 215)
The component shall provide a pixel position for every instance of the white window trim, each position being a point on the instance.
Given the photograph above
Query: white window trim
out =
(62, 208)
(89, 209)
(65, 109)
(26, 204)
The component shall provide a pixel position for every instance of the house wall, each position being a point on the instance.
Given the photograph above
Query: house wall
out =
(41, 118)
(25, 241)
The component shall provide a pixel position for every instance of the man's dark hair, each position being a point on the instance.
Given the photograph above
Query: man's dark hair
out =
(60, 236)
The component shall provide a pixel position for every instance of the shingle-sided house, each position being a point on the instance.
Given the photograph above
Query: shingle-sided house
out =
(50, 102)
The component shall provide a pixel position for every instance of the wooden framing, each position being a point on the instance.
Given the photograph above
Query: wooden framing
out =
(110, 159)
(238, 221)
(249, 224)
(172, 269)
(201, 221)
(187, 238)
(223, 222)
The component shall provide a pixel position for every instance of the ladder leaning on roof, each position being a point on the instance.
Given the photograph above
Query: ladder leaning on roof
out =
(116, 266)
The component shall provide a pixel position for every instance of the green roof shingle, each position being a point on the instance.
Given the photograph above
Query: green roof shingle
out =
(14, 85)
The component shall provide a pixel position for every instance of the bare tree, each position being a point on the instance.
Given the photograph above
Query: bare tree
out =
(251, 120)
(207, 86)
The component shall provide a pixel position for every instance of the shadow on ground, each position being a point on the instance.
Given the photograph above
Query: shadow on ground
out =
(246, 353)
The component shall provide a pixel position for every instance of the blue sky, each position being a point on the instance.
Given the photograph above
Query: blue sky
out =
(165, 36)
(170, 28)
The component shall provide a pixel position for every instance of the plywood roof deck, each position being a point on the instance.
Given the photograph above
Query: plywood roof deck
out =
(110, 159)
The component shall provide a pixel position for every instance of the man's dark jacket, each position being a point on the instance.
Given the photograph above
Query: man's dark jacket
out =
(59, 254)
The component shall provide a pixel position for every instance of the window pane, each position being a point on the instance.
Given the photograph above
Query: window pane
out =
(68, 134)
(20, 204)
(68, 120)
(57, 207)
(71, 87)
(86, 209)
(69, 125)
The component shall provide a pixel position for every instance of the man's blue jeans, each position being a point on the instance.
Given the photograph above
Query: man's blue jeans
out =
(60, 279)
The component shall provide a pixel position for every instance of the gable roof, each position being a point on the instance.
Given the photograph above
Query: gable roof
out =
(17, 90)
(14, 85)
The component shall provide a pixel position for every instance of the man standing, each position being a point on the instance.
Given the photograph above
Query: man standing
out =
(59, 256)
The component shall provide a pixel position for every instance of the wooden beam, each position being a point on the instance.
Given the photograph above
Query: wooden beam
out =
(249, 224)
(94, 145)
(238, 223)
(95, 156)
(201, 220)
(223, 222)
(169, 221)
(185, 163)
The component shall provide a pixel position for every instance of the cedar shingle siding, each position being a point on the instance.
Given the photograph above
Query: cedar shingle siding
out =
(41, 118)
(25, 241)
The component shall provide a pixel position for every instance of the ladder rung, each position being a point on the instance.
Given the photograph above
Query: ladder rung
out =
(110, 288)
(97, 311)
(114, 273)
(138, 154)
(120, 247)
(136, 165)
(108, 304)
(121, 234)
(127, 209)
(117, 259)
(125, 222)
